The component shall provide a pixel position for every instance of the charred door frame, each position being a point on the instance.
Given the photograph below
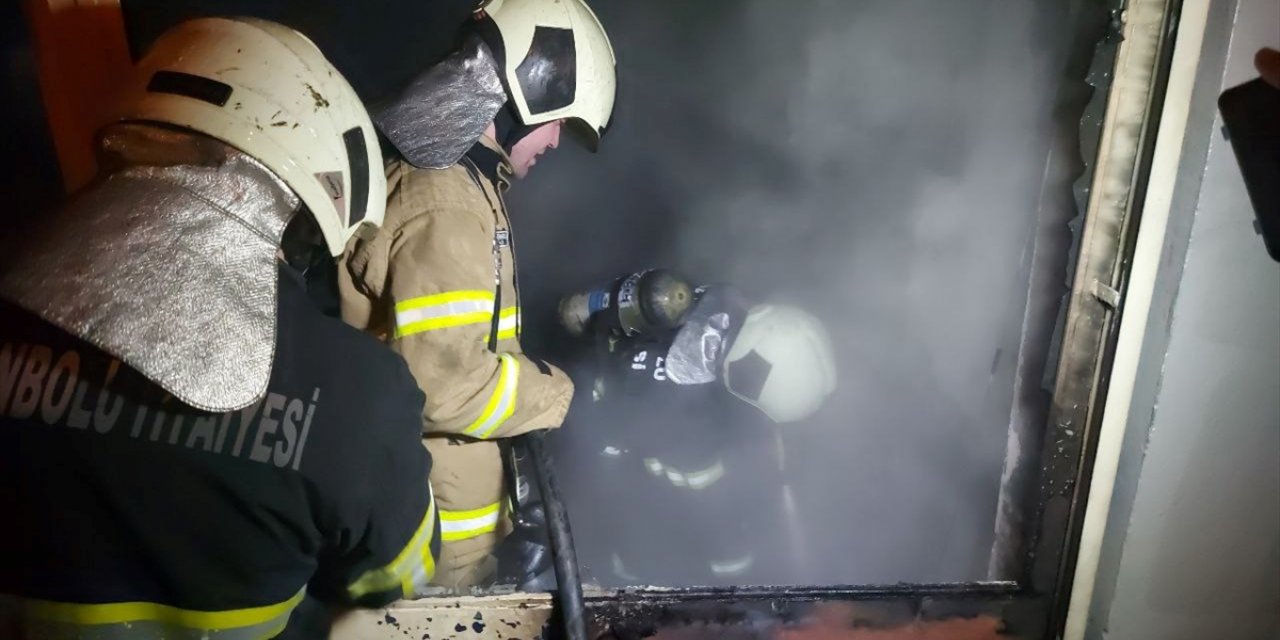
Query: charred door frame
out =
(1135, 51)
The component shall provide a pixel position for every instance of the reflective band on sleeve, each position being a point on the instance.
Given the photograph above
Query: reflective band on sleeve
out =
(443, 310)
(44, 619)
(695, 480)
(508, 323)
(734, 566)
(411, 571)
(653, 465)
(706, 477)
(503, 401)
(461, 525)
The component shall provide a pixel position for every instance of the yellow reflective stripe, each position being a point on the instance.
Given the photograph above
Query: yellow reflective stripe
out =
(461, 525)
(428, 564)
(442, 298)
(411, 570)
(424, 569)
(447, 516)
(455, 536)
(503, 401)
(432, 324)
(127, 612)
(443, 310)
(508, 323)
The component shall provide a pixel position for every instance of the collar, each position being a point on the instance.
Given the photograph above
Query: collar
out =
(492, 161)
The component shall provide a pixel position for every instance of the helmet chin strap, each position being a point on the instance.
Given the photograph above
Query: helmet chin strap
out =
(509, 128)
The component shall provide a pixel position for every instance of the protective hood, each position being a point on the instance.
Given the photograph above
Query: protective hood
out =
(444, 110)
(168, 264)
(697, 353)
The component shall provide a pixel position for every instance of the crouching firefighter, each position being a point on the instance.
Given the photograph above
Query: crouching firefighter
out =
(439, 282)
(189, 448)
(688, 385)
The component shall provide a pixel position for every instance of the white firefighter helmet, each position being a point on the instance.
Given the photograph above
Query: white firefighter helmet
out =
(557, 63)
(782, 362)
(268, 91)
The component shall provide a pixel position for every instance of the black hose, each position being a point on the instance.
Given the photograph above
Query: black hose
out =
(568, 581)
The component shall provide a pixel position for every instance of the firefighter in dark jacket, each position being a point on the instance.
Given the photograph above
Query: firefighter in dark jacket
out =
(689, 385)
(189, 448)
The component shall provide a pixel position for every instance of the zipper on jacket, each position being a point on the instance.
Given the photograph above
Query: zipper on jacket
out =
(515, 269)
(474, 172)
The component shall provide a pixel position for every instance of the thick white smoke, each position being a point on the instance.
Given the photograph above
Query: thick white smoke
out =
(878, 162)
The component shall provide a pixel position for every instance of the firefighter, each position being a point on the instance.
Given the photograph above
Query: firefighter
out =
(188, 447)
(439, 281)
(689, 387)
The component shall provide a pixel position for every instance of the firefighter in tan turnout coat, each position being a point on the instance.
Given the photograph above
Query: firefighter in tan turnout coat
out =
(438, 282)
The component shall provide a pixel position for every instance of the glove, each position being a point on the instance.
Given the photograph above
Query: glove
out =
(576, 310)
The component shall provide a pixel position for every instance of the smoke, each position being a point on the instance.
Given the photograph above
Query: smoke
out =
(878, 163)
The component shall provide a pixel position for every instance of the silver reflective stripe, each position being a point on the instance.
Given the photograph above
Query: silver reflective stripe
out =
(695, 480)
(733, 566)
(442, 311)
(522, 489)
(653, 465)
(456, 307)
(702, 479)
(461, 525)
(129, 620)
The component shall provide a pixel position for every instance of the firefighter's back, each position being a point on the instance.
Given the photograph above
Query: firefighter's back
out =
(130, 514)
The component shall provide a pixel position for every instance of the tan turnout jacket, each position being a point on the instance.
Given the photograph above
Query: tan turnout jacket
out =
(426, 284)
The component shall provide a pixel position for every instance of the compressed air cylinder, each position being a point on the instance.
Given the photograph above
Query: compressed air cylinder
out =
(643, 303)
